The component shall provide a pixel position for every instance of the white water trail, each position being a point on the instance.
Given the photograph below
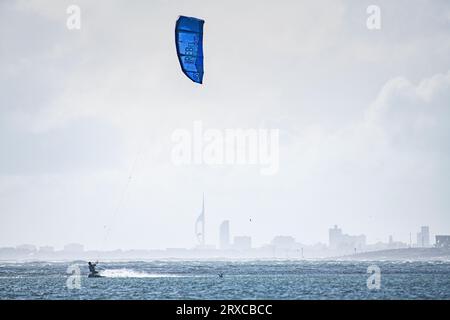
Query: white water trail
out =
(128, 273)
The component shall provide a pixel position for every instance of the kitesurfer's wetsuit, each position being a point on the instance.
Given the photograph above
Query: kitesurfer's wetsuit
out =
(92, 268)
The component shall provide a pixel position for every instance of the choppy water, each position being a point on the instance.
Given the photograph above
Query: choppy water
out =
(241, 280)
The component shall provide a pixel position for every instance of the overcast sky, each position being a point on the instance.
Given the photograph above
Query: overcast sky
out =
(364, 119)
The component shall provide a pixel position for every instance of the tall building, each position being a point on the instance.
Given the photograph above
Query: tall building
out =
(334, 237)
(340, 241)
(224, 241)
(242, 243)
(423, 237)
(425, 230)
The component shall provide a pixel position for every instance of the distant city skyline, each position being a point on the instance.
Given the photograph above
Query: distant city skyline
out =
(337, 240)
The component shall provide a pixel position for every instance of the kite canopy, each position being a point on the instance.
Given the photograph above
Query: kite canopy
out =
(189, 42)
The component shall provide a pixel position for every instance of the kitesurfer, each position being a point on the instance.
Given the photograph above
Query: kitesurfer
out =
(92, 268)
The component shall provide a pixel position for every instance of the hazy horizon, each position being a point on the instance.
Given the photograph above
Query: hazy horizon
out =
(363, 116)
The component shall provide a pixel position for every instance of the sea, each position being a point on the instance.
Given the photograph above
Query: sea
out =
(175, 279)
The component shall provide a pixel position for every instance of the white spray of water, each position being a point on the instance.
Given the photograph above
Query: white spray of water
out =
(127, 273)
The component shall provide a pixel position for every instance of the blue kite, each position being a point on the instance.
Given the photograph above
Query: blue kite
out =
(189, 42)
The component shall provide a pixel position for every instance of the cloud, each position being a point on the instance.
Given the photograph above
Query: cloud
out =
(84, 146)
(390, 164)
(356, 141)
(414, 117)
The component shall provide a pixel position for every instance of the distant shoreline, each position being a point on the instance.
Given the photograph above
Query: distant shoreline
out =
(414, 254)
(405, 254)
